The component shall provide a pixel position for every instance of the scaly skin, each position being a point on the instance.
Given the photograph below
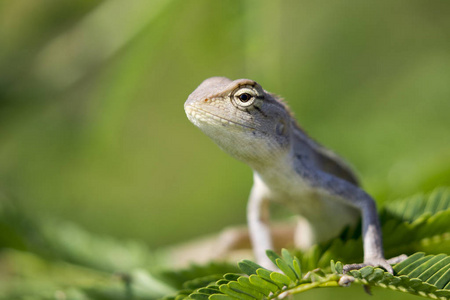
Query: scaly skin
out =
(257, 128)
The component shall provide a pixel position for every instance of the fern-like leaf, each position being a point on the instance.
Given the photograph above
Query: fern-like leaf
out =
(410, 226)
(419, 274)
(413, 208)
(422, 228)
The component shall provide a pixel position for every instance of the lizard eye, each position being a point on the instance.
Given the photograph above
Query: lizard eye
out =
(245, 97)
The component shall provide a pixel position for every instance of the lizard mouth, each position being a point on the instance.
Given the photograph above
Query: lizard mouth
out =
(196, 115)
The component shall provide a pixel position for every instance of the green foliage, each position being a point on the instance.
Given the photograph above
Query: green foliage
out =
(413, 208)
(420, 222)
(93, 131)
(409, 225)
(41, 256)
(66, 241)
(196, 275)
(92, 124)
(60, 255)
(427, 276)
(421, 229)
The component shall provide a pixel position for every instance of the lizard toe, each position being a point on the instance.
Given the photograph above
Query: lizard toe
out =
(374, 262)
(397, 259)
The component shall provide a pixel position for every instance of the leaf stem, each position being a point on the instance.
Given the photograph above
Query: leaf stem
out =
(329, 281)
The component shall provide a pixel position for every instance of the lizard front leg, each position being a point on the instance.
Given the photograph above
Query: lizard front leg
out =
(372, 237)
(258, 223)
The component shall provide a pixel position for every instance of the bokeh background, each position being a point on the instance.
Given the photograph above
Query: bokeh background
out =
(92, 126)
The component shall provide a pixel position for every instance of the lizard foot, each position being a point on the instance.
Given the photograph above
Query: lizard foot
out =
(377, 262)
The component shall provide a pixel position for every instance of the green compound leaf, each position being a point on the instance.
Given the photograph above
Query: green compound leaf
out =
(245, 281)
(280, 278)
(427, 275)
(273, 256)
(297, 268)
(366, 271)
(224, 288)
(221, 297)
(413, 208)
(231, 276)
(293, 262)
(248, 267)
(286, 268)
(265, 274)
(442, 282)
(409, 261)
(249, 290)
(339, 267)
(208, 291)
(199, 296)
(263, 283)
(419, 274)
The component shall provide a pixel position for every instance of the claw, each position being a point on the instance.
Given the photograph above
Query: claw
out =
(384, 265)
(377, 262)
(397, 259)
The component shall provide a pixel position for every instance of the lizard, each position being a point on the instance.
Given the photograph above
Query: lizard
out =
(257, 128)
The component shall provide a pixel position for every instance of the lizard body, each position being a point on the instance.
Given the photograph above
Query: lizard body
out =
(257, 128)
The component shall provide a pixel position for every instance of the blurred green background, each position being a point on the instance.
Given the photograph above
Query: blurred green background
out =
(92, 126)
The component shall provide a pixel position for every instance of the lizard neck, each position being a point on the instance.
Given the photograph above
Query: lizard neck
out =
(292, 168)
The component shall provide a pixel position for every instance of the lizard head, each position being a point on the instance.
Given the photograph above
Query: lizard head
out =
(242, 118)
